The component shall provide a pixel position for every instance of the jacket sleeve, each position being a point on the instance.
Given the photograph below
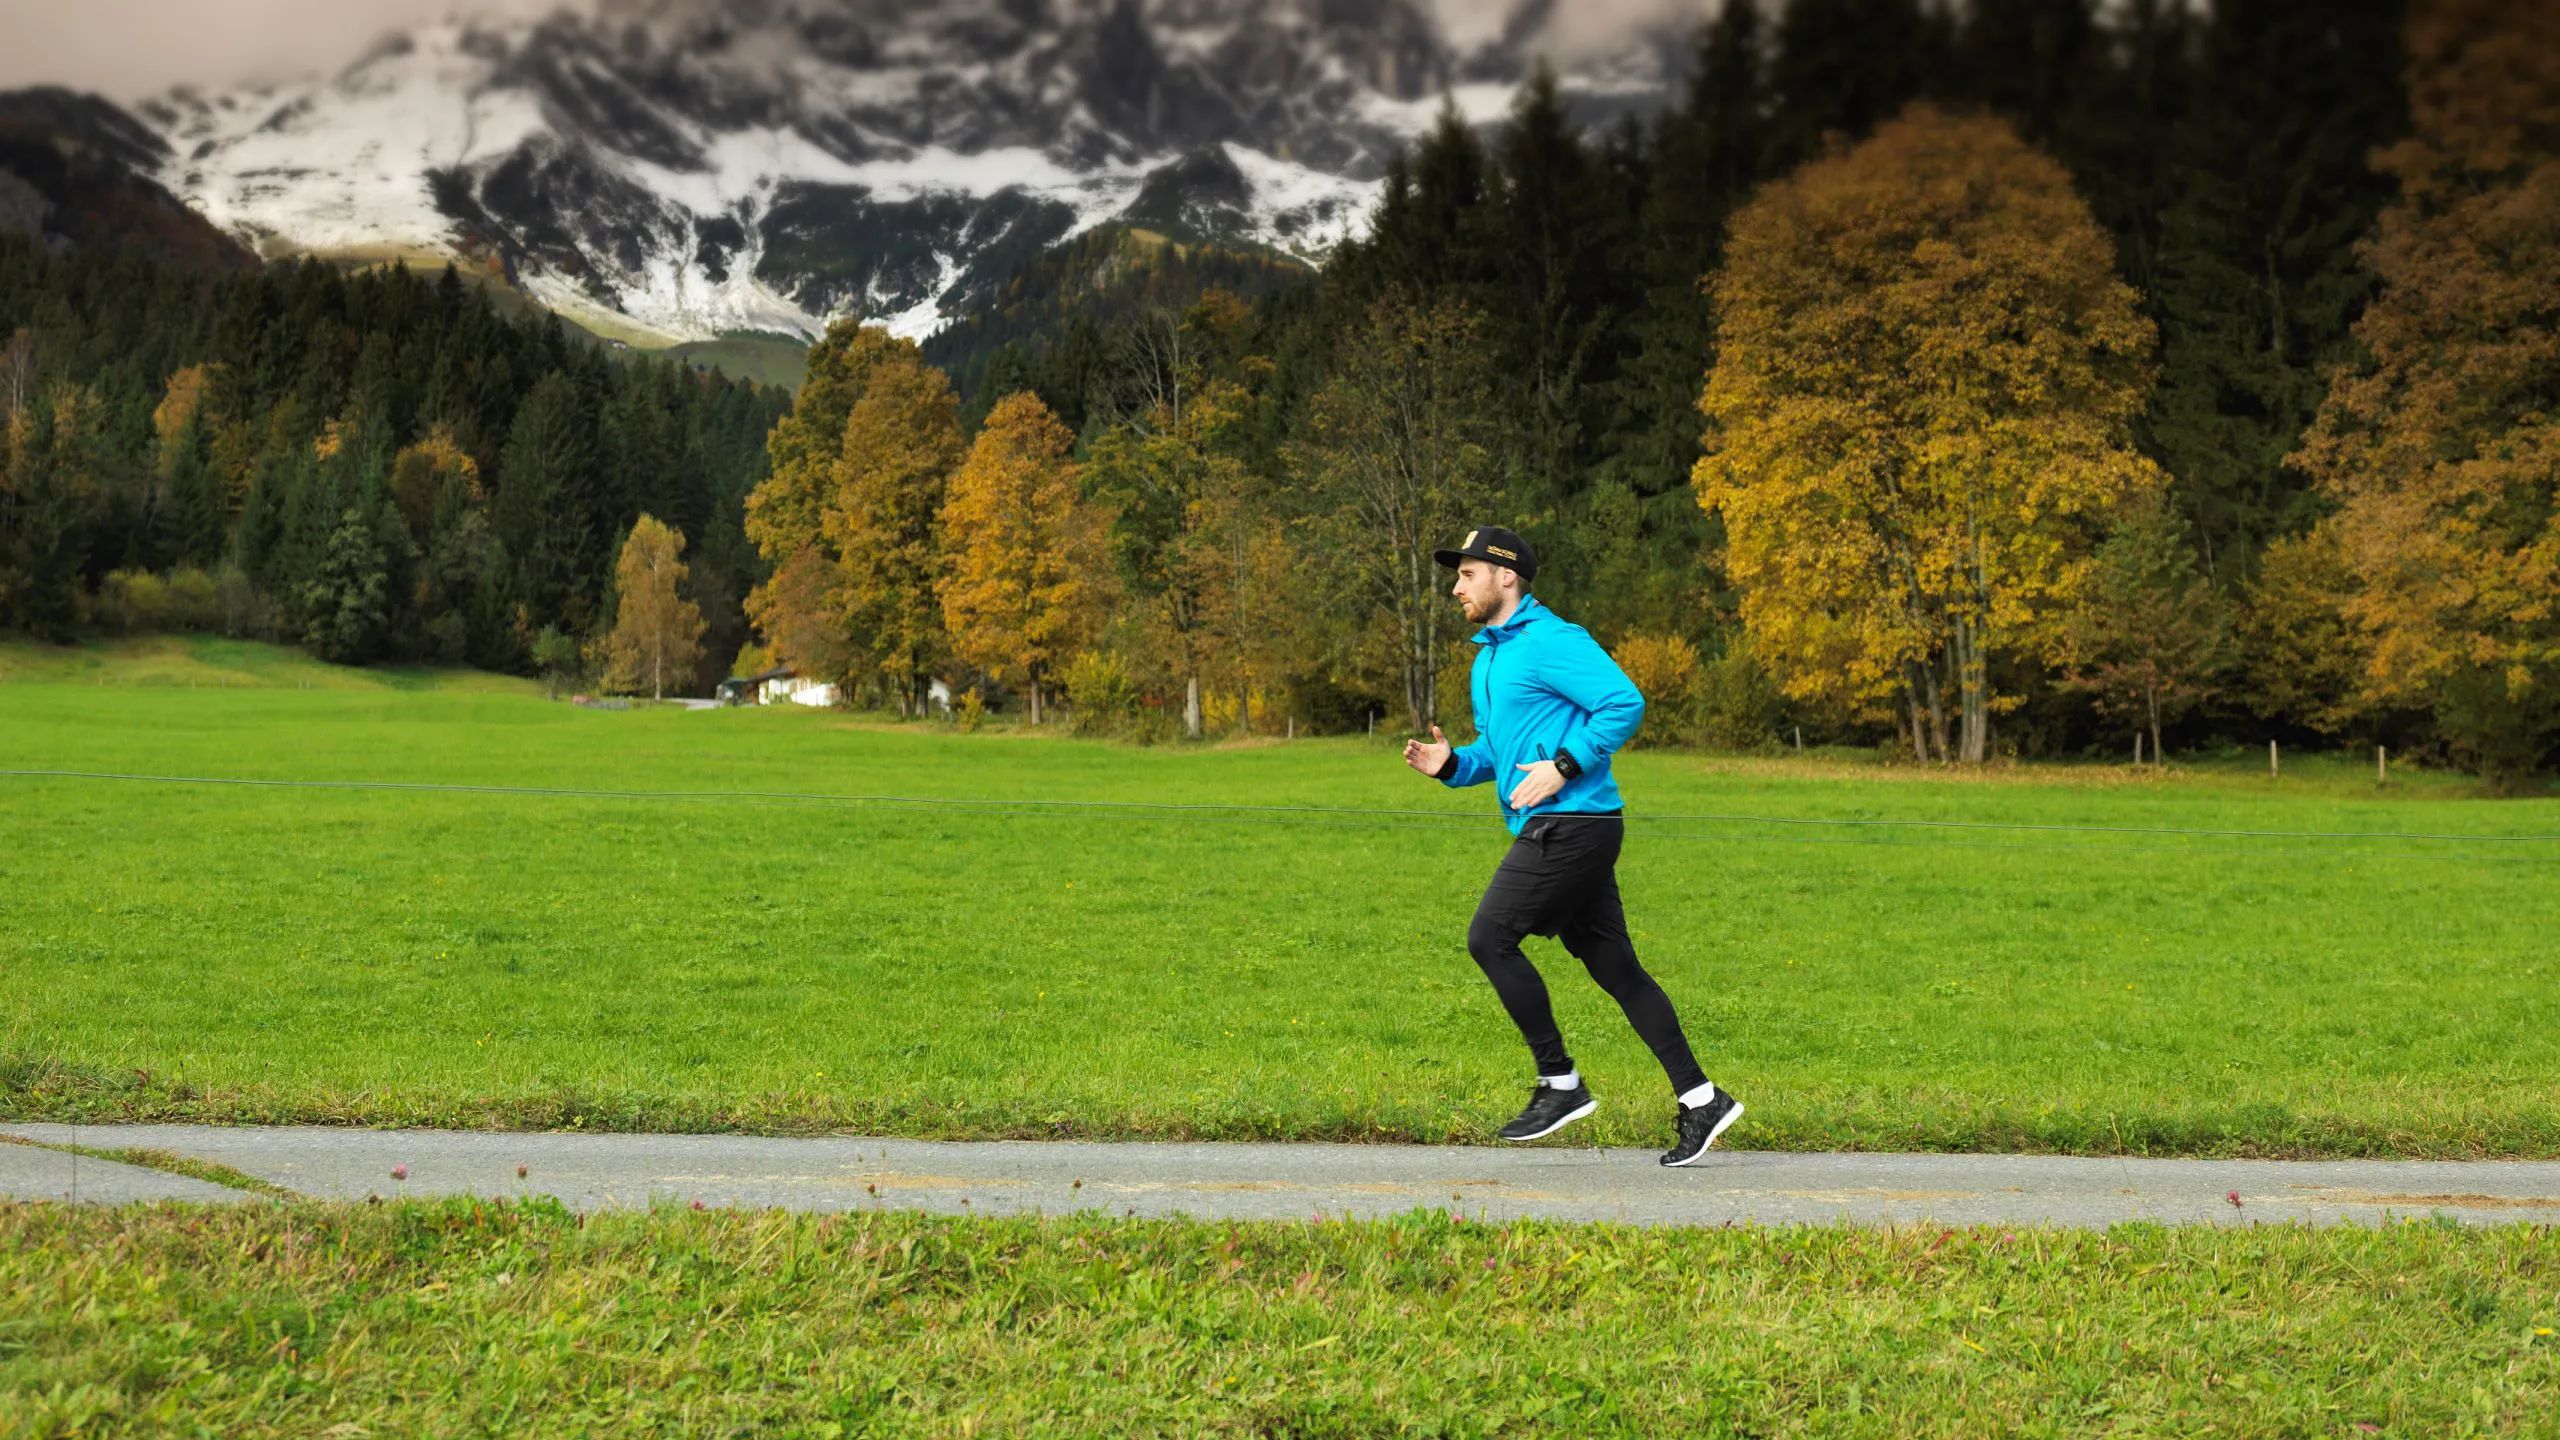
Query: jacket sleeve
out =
(1582, 672)
(1469, 764)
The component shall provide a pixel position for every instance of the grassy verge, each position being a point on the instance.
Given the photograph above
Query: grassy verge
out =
(474, 1318)
(372, 957)
(169, 1161)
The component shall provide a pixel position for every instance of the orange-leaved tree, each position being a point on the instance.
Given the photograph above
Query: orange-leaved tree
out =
(1919, 417)
(2441, 448)
(657, 631)
(1024, 571)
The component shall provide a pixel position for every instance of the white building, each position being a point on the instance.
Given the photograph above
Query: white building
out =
(780, 684)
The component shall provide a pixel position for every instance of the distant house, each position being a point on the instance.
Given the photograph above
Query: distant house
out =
(782, 683)
(749, 689)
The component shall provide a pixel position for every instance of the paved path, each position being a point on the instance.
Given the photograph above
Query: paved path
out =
(28, 1172)
(1298, 1181)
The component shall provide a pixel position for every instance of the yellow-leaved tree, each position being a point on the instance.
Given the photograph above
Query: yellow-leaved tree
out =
(884, 518)
(1920, 415)
(434, 473)
(1024, 570)
(787, 507)
(656, 632)
(2441, 447)
(847, 516)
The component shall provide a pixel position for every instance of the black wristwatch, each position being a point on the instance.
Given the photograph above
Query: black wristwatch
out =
(1566, 765)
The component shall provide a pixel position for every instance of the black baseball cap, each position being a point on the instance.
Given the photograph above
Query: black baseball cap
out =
(1495, 544)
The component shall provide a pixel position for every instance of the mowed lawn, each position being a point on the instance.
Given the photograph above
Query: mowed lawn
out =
(412, 957)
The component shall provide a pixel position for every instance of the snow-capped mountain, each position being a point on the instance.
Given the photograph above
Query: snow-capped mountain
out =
(680, 169)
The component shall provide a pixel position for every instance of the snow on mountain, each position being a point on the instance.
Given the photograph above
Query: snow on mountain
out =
(681, 169)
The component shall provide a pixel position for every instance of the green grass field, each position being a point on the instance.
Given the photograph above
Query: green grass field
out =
(373, 956)
(488, 1318)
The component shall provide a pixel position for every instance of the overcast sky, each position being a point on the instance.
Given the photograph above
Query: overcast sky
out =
(132, 49)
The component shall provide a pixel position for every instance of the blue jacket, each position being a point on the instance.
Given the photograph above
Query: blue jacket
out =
(1541, 684)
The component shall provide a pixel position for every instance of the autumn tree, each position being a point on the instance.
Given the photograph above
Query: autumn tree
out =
(787, 508)
(1403, 434)
(2303, 658)
(1171, 470)
(849, 514)
(1023, 572)
(2441, 449)
(883, 520)
(186, 496)
(434, 472)
(1919, 414)
(656, 630)
(797, 613)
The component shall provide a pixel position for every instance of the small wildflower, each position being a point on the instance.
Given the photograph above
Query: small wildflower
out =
(698, 1205)
(520, 1172)
(399, 1172)
(2234, 1197)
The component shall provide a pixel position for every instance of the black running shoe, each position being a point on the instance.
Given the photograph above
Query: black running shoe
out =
(1550, 1110)
(1700, 1125)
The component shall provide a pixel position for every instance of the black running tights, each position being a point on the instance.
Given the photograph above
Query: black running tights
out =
(1560, 878)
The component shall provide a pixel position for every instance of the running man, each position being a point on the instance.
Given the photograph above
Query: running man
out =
(1551, 707)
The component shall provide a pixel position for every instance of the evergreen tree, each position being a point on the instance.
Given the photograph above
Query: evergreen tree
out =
(2257, 282)
(545, 504)
(348, 602)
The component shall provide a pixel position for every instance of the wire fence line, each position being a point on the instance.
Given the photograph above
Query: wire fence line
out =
(1395, 817)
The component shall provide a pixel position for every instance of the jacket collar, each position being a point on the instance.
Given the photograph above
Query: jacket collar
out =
(1521, 614)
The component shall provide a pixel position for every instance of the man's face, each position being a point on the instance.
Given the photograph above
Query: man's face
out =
(1480, 587)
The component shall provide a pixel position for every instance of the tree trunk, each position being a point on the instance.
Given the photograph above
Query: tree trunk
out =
(1937, 711)
(1973, 681)
(1035, 702)
(1191, 709)
(658, 676)
(1918, 736)
(2151, 704)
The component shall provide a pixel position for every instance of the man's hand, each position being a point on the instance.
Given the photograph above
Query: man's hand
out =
(1428, 758)
(1539, 786)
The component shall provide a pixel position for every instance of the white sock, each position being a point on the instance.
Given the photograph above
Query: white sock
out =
(1692, 1099)
(1569, 1080)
